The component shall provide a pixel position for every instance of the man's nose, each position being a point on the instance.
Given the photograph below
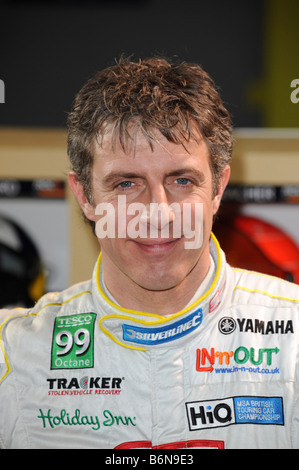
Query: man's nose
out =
(159, 214)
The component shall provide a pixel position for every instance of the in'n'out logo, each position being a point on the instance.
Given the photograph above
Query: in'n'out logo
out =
(2, 91)
(239, 360)
(151, 221)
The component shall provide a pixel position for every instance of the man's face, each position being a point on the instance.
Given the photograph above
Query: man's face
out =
(166, 176)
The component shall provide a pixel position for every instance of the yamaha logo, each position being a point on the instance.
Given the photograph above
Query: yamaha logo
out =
(227, 325)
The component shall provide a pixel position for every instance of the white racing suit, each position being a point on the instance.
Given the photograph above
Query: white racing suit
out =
(78, 371)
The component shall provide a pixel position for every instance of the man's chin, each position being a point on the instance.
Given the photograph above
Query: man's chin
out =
(158, 281)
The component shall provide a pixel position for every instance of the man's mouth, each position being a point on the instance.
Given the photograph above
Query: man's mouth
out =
(156, 246)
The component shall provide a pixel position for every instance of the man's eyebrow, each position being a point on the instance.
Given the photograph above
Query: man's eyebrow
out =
(111, 177)
(188, 170)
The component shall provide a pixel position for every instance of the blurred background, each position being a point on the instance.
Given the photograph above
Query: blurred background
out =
(48, 51)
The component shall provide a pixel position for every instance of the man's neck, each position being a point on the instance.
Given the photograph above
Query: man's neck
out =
(130, 295)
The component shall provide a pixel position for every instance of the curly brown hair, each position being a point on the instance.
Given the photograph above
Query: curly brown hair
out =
(178, 99)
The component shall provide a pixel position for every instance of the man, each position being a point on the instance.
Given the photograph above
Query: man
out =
(167, 346)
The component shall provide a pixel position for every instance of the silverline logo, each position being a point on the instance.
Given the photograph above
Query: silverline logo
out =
(163, 334)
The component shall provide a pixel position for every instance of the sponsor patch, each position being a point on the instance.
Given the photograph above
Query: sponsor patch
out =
(228, 325)
(242, 359)
(73, 341)
(62, 418)
(235, 410)
(61, 386)
(163, 334)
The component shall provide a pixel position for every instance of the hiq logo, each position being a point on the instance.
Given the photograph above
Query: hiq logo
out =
(2, 91)
(235, 410)
(210, 414)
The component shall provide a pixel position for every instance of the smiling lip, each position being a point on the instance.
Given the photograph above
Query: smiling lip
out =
(158, 246)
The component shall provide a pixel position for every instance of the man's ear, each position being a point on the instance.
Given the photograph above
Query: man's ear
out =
(78, 191)
(223, 181)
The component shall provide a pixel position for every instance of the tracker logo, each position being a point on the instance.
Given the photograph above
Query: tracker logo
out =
(85, 386)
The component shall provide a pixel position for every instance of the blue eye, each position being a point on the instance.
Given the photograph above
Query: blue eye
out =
(183, 181)
(126, 184)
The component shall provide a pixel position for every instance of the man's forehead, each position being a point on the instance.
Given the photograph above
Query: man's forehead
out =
(163, 159)
(137, 143)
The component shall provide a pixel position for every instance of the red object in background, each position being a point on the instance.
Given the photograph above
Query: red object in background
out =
(253, 244)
